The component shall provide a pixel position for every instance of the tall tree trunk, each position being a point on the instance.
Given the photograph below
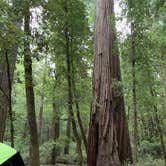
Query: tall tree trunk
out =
(40, 119)
(108, 141)
(34, 145)
(135, 149)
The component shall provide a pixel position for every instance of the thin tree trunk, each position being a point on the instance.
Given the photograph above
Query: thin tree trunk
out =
(68, 134)
(128, 113)
(4, 95)
(40, 119)
(108, 141)
(34, 145)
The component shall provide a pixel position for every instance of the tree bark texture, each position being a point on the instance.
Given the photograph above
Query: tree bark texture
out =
(34, 145)
(108, 141)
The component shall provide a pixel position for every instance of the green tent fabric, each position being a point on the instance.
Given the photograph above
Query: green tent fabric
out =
(6, 152)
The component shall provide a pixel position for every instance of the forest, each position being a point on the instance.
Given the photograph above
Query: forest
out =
(83, 82)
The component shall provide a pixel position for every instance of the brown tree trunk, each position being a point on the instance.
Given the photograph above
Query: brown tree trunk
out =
(34, 145)
(108, 141)
(4, 95)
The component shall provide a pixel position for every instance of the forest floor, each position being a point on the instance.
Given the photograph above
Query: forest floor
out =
(59, 165)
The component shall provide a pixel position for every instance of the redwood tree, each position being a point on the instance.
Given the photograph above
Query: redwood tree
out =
(108, 142)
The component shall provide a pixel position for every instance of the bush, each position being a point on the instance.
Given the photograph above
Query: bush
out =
(45, 151)
(149, 161)
(150, 148)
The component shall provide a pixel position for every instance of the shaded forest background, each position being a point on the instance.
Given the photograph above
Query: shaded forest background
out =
(47, 49)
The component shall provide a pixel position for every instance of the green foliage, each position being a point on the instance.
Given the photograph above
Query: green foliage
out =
(45, 151)
(150, 149)
(9, 31)
(149, 161)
